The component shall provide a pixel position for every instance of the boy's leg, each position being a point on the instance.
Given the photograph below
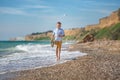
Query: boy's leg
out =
(59, 49)
(57, 53)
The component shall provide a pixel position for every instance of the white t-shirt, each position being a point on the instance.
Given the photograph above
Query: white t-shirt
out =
(58, 32)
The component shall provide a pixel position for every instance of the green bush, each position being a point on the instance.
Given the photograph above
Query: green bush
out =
(69, 38)
(42, 38)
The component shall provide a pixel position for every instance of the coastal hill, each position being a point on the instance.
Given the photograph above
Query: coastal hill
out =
(108, 21)
(101, 30)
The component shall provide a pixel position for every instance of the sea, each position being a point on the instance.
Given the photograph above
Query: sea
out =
(24, 55)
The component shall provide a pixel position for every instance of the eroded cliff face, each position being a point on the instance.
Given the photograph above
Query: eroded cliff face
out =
(110, 20)
(72, 32)
(114, 18)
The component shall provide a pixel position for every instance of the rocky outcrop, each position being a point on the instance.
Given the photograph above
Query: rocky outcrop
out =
(88, 38)
(114, 18)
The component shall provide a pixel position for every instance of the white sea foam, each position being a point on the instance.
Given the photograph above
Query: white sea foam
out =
(32, 56)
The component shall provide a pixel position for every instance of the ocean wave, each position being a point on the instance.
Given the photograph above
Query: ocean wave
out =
(31, 47)
(34, 55)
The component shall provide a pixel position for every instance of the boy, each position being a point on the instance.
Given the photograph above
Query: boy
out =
(58, 34)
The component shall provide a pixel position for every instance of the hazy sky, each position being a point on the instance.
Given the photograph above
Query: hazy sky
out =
(22, 17)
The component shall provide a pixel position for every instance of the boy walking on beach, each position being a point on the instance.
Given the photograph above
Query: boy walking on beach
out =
(58, 34)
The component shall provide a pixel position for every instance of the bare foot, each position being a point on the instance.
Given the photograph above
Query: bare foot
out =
(58, 59)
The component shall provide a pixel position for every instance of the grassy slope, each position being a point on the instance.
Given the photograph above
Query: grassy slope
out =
(112, 32)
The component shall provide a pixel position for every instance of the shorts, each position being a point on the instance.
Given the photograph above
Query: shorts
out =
(58, 44)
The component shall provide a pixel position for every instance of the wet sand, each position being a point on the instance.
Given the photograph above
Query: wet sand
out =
(101, 63)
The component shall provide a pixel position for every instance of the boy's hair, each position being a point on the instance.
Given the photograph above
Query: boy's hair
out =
(59, 23)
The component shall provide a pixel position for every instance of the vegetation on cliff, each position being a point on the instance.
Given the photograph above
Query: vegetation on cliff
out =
(119, 13)
(43, 38)
(112, 33)
(69, 38)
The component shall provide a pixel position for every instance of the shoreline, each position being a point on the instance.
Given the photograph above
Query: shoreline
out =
(101, 63)
(12, 75)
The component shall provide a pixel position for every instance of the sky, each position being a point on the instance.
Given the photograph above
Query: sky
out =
(23, 17)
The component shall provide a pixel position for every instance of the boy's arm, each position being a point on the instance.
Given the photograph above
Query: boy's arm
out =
(63, 34)
(53, 36)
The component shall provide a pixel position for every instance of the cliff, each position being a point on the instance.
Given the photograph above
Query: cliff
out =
(114, 18)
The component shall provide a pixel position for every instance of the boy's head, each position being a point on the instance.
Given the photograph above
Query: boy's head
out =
(58, 25)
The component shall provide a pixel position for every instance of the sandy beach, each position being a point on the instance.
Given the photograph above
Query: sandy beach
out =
(102, 62)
